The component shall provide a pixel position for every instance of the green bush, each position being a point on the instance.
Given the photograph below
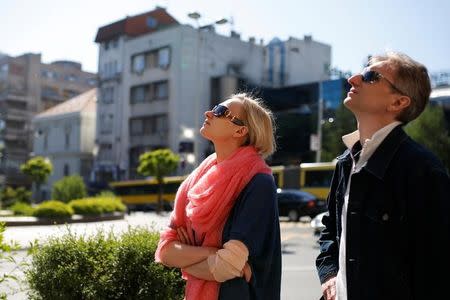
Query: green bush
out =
(106, 193)
(22, 209)
(53, 209)
(69, 188)
(97, 205)
(9, 196)
(102, 267)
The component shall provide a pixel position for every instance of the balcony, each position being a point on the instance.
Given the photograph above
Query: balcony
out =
(11, 94)
(13, 134)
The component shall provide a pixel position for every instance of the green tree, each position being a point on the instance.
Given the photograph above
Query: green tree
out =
(69, 188)
(429, 130)
(344, 123)
(158, 163)
(38, 169)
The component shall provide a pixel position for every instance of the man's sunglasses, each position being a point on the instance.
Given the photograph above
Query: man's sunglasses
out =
(222, 111)
(370, 76)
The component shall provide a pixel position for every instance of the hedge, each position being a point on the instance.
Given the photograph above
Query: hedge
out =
(53, 209)
(22, 209)
(102, 267)
(97, 205)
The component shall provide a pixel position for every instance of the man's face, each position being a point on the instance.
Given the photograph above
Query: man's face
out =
(372, 98)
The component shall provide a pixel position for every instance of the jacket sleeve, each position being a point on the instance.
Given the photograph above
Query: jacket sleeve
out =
(429, 235)
(328, 259)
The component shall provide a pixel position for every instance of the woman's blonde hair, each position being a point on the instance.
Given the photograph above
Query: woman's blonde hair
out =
(260, 123)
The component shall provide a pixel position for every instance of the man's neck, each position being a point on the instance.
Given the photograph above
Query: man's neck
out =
(367, 128)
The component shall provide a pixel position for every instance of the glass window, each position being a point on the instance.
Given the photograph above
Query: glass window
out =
(164, 57)
(66, 170)
(150, 60)
(161, 124)
(136, 127)
(139, 94)
(138, 63)
(161, 90)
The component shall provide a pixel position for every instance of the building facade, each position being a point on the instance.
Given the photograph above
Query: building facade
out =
(157, 77)
(27, 87)
(65, 134)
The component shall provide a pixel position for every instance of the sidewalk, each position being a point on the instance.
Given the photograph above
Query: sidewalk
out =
(24, 235)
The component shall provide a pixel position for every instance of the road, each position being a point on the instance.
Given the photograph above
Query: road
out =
(299, 281)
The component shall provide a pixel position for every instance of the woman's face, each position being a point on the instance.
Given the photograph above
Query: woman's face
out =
(224, 127)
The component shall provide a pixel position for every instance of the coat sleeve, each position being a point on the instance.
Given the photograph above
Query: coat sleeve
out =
(328, 259)
(429, 234)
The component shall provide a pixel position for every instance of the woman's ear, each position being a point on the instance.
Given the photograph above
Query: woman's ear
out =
(242, 131)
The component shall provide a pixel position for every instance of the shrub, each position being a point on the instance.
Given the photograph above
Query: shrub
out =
(106, 193)
(102, 267)
(69, 188)
(97, 206)
(9, 196)
(22, 209)
(53, 209)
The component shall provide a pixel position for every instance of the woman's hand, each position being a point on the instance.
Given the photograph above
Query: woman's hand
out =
(183, 236)
(247, 272)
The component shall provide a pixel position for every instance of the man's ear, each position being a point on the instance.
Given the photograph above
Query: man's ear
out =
(242, 131)
(399, 104)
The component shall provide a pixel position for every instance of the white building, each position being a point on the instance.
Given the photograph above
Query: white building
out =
(65, 134)
(157, 77)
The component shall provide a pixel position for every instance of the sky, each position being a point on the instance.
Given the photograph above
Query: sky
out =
(66, 29)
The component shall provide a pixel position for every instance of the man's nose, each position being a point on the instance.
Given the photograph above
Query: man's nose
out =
(355, 79)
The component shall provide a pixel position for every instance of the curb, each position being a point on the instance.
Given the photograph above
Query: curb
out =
(32, 221)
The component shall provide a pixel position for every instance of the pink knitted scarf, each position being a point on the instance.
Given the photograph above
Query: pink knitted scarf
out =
(203, 204)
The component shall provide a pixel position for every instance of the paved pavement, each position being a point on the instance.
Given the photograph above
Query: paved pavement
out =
(24, 235)
(299, 249)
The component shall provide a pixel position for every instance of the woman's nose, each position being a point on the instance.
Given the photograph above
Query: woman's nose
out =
(209, 114)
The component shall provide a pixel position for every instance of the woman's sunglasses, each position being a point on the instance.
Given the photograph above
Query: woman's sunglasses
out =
(222, 111)
(370, 76)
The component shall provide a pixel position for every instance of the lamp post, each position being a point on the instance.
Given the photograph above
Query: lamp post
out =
(196, 16)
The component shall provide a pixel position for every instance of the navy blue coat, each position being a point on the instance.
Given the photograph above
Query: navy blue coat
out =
(398, 228)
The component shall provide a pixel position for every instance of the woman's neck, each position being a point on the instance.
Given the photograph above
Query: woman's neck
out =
(224, 150)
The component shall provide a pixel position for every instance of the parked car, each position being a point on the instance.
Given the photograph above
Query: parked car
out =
(317, 224)
(295, 204)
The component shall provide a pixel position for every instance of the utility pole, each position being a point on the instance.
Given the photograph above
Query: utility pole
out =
(319, 122)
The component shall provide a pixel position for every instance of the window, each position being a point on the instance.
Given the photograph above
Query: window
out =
(67, 131)
(138, 63)
(107, 95)
(164, 58)
(161, 124)
(152, 22)
(91, 82)
(106, 123)
(161, 90)
(149, 125)
(136, 126)
(159, 58)
(139, 94)
(150, 60)
(45, 133)
(66, 170)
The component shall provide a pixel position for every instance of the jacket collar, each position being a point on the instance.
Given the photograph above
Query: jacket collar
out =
(382, 157)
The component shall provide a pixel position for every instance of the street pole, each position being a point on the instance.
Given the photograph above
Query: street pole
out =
(319, 123)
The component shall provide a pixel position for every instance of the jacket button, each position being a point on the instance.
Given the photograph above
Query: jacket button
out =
(385, 217)
(351, 260)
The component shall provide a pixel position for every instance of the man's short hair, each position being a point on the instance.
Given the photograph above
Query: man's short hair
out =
(412, 78)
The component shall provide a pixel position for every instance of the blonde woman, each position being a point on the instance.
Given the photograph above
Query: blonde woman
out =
(224, 232)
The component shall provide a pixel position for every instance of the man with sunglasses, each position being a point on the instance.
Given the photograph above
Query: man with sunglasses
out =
(387, 232)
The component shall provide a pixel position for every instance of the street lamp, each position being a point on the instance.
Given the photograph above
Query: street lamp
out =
(196, 16)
